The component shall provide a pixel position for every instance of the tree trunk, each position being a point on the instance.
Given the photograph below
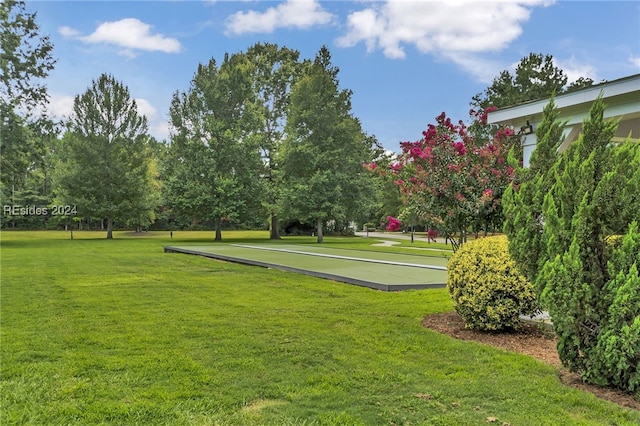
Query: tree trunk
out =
(109, 228)
(218, 230)
(275, 228)
(319, 230)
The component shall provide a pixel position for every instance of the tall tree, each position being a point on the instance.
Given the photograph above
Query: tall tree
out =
(213, 165)
(275, 70)
(25, 60)
(535, 77)
(106, 155)
(324, 149)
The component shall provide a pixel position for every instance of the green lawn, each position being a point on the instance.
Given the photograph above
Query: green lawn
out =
(118, 332)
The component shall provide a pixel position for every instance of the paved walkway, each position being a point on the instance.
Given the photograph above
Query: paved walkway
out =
(397, 236)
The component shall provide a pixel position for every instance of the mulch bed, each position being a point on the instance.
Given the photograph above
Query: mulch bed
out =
(533, 340)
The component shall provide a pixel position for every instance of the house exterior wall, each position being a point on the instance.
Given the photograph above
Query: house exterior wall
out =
(621, 97)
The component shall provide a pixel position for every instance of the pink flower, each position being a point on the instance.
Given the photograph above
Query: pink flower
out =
(370, 166)
(393, 224)
(396, 167)
(509, 171)
(459, 148)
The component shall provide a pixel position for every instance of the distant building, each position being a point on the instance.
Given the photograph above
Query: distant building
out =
(621, 97)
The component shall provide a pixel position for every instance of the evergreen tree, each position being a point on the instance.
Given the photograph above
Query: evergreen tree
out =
(535, 77)
(106, 155)
(589, 285)
(523, 201)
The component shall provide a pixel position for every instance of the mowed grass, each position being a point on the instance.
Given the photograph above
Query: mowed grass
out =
(118, 332)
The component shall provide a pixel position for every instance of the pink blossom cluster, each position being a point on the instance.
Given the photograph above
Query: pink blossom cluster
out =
(394, 224)
(454, 170)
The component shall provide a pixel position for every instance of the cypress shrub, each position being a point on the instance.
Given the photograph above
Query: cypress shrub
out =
(585, 274)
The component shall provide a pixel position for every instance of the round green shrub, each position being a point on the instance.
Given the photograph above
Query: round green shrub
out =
(488, 291)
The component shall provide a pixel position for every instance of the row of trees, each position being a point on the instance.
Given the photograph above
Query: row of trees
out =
(264, 133)
(261, 134)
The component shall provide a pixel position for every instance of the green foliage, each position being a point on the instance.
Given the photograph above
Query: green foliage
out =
(522, 201)
(616, 359)
(563, 220)
(535, 77)
(488, 290)
(323, 153)
(25, 56)
(25, 60)
(105, 159)
(275, 70)
(212, 170)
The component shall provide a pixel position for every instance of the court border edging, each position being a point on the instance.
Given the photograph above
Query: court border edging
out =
(339, 278)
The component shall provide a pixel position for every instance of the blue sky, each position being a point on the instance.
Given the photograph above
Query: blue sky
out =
(405, 61)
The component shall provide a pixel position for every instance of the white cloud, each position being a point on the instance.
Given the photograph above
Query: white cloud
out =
(453, 27)
(130, 34)
(483, 70)
(159, 130)
(60, 106)
(68, 32)
(301, 14)
(574, 70)
(635, 60)
(145, 108)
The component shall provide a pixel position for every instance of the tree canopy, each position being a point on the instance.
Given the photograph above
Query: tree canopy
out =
(275, 69)
(536, 77)
(105, 159)
(25, 60)
(324, 149)
(450, 179)
(213, 165)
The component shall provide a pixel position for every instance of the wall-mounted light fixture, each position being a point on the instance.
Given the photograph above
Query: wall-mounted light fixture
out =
(526, 130)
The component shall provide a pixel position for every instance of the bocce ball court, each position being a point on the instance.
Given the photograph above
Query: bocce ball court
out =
(376, 270)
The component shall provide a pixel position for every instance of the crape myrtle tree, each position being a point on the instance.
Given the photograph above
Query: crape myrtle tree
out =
(324, 149)
(105, 158)
(275, 69)
(451, 179)
(213, 165)
(25, 61)
(582, 233)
